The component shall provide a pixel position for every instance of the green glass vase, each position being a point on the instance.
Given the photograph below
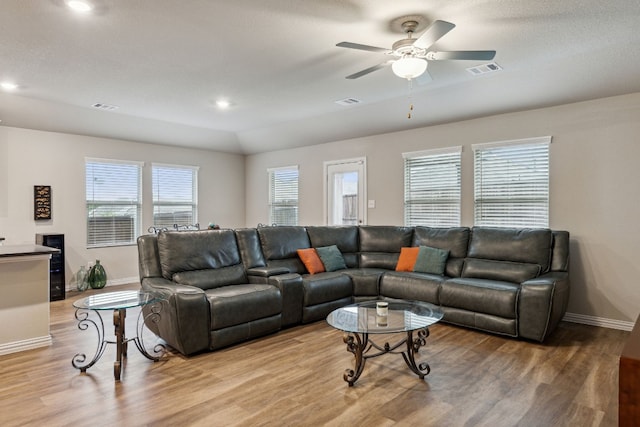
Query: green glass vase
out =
(81, 279)
(97, 277)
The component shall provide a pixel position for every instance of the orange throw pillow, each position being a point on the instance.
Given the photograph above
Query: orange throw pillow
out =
(407, 259)
(311, 260)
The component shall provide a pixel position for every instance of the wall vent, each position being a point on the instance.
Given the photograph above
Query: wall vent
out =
(491, 67)
(104, 107)
(348, 101)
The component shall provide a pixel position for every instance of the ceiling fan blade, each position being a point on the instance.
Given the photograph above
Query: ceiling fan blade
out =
(466, 55)
(368, 70)
(423, 78)
(433, 34)
(362, 47)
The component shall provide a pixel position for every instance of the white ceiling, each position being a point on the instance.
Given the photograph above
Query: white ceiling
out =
(165, 62)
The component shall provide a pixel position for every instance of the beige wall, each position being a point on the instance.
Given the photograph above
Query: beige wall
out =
(594, 186)
(29, 158)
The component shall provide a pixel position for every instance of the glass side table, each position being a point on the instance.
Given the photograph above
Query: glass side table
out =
(119, 302)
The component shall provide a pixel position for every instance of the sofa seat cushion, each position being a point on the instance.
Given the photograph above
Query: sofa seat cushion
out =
(411, 286)
(236, 304)
(483, 296)
(324, 287)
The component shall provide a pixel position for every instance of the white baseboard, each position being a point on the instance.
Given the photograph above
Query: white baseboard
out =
(598, 321)
(16, 346)
(125, 281)
(114, 282)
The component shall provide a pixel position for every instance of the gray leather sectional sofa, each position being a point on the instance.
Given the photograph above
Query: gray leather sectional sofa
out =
(227, 286)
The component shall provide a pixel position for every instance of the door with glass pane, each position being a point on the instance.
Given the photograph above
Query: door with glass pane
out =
(345, 190)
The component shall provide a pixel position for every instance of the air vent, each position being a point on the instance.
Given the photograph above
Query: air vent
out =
(491, 67)
(104, 107)
(348, 101)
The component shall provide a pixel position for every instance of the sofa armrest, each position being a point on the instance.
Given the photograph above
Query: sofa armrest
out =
(266, 271)
(290, 286)
(262, 274)
(184, 318)
(543, 302)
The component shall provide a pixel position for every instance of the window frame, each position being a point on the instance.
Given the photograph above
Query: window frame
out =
(93, 203)
(534, 177)
(274, 204)
(193, 203)
(435, 163)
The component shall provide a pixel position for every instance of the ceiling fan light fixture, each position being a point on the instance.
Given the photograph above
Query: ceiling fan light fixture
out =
(409, 67)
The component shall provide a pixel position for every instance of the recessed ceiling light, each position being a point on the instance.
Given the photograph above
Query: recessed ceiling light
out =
(79, 6)
(8, 86)
(223, 104)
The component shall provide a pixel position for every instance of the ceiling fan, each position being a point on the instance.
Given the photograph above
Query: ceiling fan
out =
(412, 54)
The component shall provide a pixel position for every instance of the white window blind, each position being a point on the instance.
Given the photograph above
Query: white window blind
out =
(283, 196)
(511, 182)
(432, 188)
(114, 202)
(175, 195)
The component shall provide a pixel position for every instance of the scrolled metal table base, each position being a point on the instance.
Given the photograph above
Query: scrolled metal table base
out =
(121, 341)
(361, 346)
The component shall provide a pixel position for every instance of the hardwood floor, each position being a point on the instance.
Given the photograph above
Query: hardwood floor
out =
(294, 378)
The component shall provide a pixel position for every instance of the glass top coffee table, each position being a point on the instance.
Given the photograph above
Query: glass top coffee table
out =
(119, 302)
(359, 320)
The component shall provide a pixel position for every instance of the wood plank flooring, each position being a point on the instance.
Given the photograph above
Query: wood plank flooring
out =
(294, 378)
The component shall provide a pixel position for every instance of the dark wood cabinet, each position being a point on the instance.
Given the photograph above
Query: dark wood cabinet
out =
(629, 381)
(57, 282)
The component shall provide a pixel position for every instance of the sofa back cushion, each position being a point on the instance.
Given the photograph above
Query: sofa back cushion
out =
(454, 239)
(181, 251)
(383, 238)
(280, 246)
(148, 258)
(249, 245)
(560, 256)
(344, 237)
(504, 271)
(280, 242)
(524, 245)
(380, 245)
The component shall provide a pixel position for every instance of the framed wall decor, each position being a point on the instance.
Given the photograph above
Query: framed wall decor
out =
(41, 202)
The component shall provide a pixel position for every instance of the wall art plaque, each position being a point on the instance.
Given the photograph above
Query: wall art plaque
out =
(41, 202)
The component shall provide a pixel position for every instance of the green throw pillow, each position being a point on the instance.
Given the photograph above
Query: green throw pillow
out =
(331, 258)
(431, 260)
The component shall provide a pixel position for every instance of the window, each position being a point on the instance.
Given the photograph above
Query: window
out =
(114, 202)
(511, 181)
(283, 196)
(175, 195)
(432, 187)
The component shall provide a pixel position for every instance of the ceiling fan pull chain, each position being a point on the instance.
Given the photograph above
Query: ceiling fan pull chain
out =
(410, 98)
